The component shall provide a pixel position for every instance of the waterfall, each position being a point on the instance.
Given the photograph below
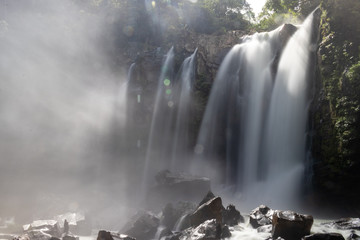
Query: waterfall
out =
(256, 116)
(158, 154)
(180, 151)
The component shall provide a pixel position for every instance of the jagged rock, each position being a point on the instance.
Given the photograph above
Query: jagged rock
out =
(172, 213)
(345, 224)
(324, 236)
(142, 226)
(105, 235)
(173, 187)
(353, 236)
(209, 229)
(225, 232)
(261, 216)
(231, 216)
(212, 209)
(264, 229)
(43, 229)
(290, 225)
(208, 197)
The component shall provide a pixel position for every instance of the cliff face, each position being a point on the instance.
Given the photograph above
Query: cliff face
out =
(336, 113)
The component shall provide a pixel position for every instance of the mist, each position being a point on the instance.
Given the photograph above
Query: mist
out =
(60, 102)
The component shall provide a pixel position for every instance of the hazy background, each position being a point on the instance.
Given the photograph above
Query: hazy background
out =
(59, 102)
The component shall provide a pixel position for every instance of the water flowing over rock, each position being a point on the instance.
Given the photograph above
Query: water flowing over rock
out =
(261, 216)
(290, 225)
(142, 226)
(345, 224)
(231, 216)
(256, 116)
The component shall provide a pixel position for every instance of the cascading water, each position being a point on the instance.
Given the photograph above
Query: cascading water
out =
(256, 116)
(180, 151)
(158, 152)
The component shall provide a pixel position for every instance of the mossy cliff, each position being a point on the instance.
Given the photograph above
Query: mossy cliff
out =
(336, 112)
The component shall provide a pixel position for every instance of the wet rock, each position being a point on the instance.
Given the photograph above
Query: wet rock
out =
(225, 232)
(43, 229)
(173, 187)
(231, 216)
(353, 236)
(261, 216)
(212, 209)
(209, 229)
(142, 226)
(290, 225)
(264, 229)
(324, 236)
(207, 197)
(173, 213)
(345, 224)
(105, 235)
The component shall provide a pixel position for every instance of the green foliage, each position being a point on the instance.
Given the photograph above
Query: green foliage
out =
(338, 121)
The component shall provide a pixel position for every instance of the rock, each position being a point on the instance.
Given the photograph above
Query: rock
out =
(264, 229)
(345, 224)
(209, 210)
(324, 236)
(142, 226)
(70, 237)
(209, 229)
(208, 197)
(173, 213)
(290, 225)
(105, 235)
(261, 216)
(173, 187)
(43, 229)
(225, 232)
(231, 216)
(353, 236)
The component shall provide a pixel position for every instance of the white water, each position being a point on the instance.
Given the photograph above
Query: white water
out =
(161, 123)
(180, 152)
(262, 120)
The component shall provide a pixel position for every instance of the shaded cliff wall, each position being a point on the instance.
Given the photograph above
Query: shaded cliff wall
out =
(336, 112)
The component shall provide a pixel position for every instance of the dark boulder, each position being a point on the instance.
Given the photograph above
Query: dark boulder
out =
(212, 209)
(105, 235)
(231, 216)
(142, 226)
(261, 216)
(225, 232)
(345, 224)
(290, 225)
(324, 236)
